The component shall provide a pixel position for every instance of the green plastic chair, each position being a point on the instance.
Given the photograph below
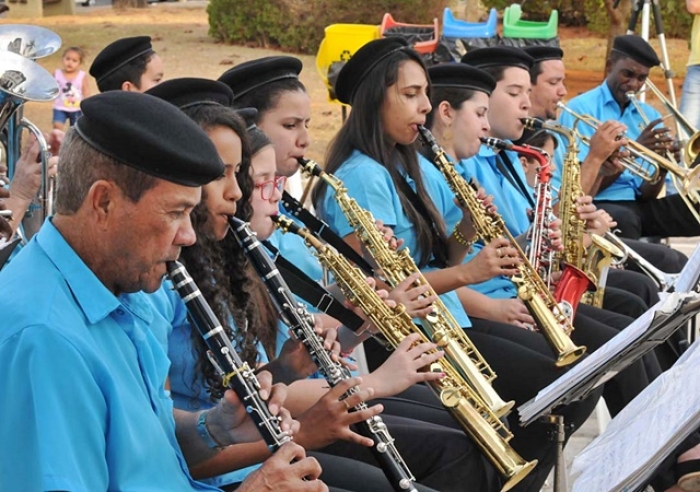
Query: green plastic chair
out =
(515, 27)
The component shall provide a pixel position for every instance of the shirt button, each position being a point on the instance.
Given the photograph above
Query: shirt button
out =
(120, 312)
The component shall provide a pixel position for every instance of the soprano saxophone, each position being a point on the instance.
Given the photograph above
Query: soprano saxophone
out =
(395, 324)
(597, 260)
(301, 323)
(440, 326)
(532, 290)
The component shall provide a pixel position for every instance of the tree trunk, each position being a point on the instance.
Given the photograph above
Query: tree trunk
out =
(125, 4)
(618, 20)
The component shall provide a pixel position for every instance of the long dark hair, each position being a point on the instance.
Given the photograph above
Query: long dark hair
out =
(364, 131)
(220, 268)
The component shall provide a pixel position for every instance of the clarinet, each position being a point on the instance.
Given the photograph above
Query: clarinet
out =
(235, 373)
(301, 323)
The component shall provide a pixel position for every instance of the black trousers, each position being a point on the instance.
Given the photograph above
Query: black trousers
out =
(668, 216)
(347, 475)
(666, 259)
(627, 292)
(440, 457)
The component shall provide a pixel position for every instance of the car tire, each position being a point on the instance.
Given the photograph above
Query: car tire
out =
(88, 3)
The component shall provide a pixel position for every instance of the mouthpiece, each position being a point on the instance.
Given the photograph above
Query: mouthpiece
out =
(533, 123)
(496, 143)
(310, 167)
(285, 223)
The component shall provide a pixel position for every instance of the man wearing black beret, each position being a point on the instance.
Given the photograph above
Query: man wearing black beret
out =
(631, 201)
(548, 89)
(127, 64)
(83, 375)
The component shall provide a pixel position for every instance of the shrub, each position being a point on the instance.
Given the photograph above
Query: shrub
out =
(592, 14)
(297, 25)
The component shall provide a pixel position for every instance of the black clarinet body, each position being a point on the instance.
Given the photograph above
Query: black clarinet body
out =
(236, 373)
(297, 318)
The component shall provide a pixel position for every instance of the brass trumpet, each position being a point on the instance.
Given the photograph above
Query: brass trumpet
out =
(686, 180)
(691, 149)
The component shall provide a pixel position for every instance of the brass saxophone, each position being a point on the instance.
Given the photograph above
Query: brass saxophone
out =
(395, 324)
(602, 253)
(440, 326)
(532, 290)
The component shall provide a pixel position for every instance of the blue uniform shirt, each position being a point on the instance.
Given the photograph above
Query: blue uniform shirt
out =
(82, 376)
(370, 184)
(600, 104)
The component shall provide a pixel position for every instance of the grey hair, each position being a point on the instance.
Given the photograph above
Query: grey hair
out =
(81, 166)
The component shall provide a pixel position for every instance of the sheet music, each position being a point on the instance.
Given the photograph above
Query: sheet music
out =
(647, 430)
(642, 335)
(688, 278)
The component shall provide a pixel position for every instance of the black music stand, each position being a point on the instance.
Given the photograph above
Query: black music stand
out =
(645, 333)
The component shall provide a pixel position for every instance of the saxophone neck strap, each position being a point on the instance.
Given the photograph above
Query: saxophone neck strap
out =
(323, 230)
(313, 293)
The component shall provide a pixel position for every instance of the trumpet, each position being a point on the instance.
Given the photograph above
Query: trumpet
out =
(686, 180)
(691, 149)
(663, 280)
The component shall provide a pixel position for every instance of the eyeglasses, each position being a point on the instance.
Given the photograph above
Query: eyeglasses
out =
(267, 188)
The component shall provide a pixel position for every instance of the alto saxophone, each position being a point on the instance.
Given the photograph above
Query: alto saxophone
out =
(440, 326)
(530, 287)
(574, 282)
(602, 253)
(395, 324)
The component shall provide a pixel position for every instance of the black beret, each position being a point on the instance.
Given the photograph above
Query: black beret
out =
(248, 115)
(362, 63)
(114, 56)
(150, 135)
(544, 53)
(635, 47)
(508, 56)
(462, 76)
(529, 135)
(188, 91)
(254, 74)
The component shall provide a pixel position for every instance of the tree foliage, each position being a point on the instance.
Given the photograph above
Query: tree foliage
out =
(297, 25)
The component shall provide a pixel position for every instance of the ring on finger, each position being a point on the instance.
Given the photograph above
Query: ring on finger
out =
(347, 407)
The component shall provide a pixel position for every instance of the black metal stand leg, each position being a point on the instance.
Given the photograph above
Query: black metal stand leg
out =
(561, 474)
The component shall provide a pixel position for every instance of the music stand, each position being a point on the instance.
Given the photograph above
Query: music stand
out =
(648, 430)
(645, 333)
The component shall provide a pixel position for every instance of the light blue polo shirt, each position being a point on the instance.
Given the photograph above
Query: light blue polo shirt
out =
(600, 104)
(370, 184)
(83, 402)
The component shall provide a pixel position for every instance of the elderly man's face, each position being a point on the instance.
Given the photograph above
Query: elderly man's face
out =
(149, 233)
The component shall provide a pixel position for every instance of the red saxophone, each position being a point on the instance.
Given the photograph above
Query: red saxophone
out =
(574, 282)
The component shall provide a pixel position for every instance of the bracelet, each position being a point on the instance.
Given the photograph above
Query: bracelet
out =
(462, 240)
(203, 431)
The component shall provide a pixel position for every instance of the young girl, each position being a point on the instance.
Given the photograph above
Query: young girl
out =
(73, 88)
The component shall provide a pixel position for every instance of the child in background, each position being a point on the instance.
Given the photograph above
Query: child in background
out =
(73, 86)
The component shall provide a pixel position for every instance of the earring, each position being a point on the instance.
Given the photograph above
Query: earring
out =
(447, 134)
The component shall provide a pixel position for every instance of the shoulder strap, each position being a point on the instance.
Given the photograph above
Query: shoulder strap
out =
(323, 230)
(313, 293)
(505, 165)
